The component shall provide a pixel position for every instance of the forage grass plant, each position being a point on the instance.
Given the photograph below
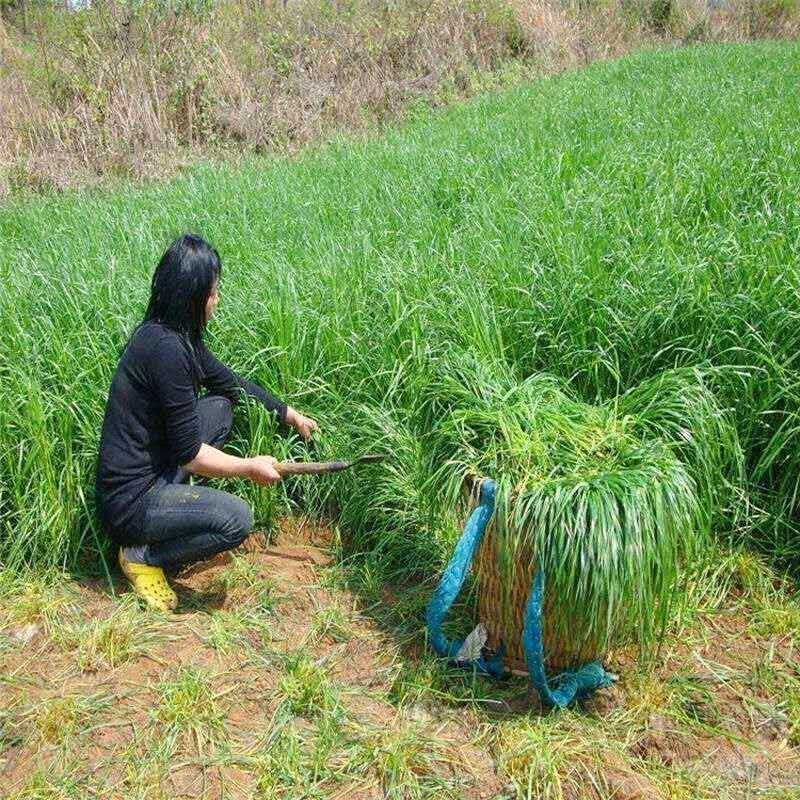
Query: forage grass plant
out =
(189, 706)
(331, 623)
(107, 642)
(64, 783)
(56, 719)
(42, 599)
(228, 631)
(402, 760)
(606, 499)
(606, 228)
(305, 689)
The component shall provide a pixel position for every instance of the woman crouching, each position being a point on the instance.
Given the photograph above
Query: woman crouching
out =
(158, 431)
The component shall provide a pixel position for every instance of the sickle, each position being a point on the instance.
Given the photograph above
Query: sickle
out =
(324, 467)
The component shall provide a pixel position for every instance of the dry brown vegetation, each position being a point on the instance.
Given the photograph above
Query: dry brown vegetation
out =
(137, 90)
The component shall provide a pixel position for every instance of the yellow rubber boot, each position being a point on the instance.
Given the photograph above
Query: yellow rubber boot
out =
(150, 584)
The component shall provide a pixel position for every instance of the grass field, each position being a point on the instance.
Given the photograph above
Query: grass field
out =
(630, 226)
(600, 227)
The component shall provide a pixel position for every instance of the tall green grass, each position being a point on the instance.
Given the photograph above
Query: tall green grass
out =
(599, 228)
(608, 499)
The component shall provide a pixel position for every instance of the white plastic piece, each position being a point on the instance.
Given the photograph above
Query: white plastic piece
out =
(470, 650)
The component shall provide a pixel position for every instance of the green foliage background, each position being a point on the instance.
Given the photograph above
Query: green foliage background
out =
(601, 227)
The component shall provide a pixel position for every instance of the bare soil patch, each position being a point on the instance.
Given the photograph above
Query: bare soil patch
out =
(274, 680)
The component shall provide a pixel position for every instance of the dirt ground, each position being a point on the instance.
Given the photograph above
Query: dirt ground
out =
(286, 675)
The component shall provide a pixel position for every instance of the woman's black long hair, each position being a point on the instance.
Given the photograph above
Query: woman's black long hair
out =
(181, 285)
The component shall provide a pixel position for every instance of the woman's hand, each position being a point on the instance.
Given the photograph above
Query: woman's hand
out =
(305, 426)
(261, 470)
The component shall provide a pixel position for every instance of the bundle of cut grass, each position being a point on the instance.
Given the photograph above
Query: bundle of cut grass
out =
(607, 499)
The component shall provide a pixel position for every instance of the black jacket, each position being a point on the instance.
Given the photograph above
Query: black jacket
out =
(151, 423)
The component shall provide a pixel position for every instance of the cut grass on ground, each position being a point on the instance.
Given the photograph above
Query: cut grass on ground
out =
(374, 715)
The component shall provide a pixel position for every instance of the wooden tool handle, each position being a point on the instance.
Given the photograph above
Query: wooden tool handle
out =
(310, 467)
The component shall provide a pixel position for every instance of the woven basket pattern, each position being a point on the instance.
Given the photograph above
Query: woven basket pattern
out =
(502, 610)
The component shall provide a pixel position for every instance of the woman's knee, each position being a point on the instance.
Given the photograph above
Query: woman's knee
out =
(238, 521)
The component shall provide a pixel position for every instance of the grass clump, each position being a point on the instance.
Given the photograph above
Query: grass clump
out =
(305, 688)
(298, 758)
(777, 622)
(144, 764)
(107, 642)
(227, 631)
(44, 599)
(422, 685)
(332, 623)
(418, 682)
(241, 573)
(188, 705)
(243, 577)
(792, 708)
(66, 784)
(554, 758)
(402, 761)
(57, 719)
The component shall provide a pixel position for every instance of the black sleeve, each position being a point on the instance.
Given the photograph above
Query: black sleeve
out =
(222, 380)
(172, 379)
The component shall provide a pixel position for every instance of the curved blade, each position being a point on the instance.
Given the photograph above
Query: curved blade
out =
(324, 467)
(370, 458)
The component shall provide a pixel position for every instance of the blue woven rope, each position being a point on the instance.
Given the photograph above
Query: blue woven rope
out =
(453, 579)
(568, 685)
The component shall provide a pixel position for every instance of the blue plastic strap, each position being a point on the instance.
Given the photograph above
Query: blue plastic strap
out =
(453, 579)
(569, 685)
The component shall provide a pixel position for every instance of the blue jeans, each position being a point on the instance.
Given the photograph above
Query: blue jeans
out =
(181, 524)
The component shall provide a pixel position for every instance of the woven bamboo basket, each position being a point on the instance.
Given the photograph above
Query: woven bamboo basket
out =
(501, 608)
